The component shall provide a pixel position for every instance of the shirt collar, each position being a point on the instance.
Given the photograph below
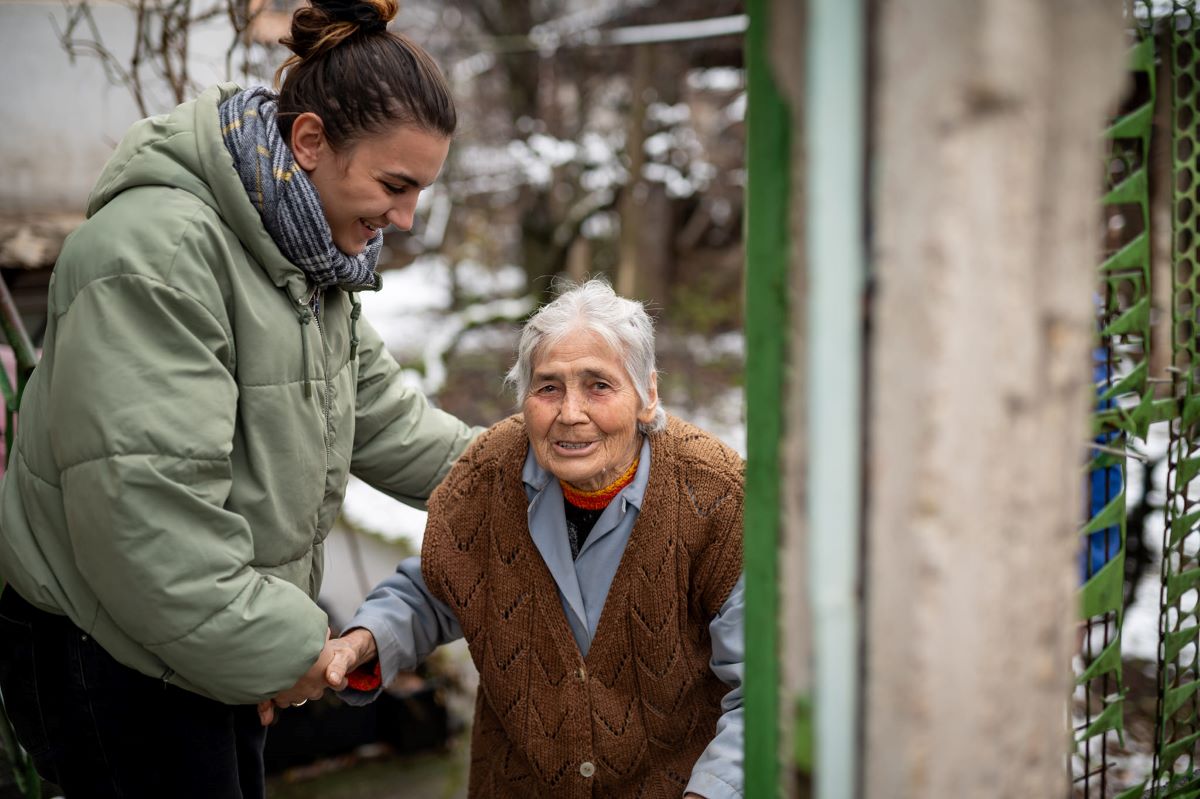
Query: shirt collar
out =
(536, 478)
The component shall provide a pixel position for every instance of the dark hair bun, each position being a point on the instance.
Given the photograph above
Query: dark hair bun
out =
(327, 23)
(369, 17)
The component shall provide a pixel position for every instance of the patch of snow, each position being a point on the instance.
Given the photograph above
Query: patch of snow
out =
(376, 512)
(536, 170)
(436, 216)
(411, 301)
(492, 338)
(422, 285)
(1139, 632)
(676, 183)
(705, 349)
(603, 225)
(451, 326)
(736, 110)
(719, 79)
(597, 149)
(477, 280)
(658, 145)
(724, 417)
(555, 152)
(720, 210)
(604, 176)
(668, 115)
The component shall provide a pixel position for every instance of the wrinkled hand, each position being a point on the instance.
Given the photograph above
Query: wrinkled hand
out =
(337, 657)
(354, 648)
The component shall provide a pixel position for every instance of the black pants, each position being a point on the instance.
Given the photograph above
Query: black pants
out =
(99, 729)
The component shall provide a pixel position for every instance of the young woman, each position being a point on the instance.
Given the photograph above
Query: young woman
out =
(206, 388)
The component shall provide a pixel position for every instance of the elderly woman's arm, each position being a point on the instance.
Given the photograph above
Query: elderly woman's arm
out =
(405, 622)
(718, 774)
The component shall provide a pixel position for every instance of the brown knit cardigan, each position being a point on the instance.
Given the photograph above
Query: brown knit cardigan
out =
(632, 717)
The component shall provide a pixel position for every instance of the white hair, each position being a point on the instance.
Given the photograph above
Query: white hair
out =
(593, 306)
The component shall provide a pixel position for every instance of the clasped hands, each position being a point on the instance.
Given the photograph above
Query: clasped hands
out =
(338, 658)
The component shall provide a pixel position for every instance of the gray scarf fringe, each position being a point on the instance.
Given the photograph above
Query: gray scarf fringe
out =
(286, 199)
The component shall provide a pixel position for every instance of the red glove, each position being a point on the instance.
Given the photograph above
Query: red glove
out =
(364, 679)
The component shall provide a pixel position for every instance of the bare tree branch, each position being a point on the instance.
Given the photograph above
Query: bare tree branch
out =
(161, 42)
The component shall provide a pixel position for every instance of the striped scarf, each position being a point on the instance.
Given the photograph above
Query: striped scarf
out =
(285, 198)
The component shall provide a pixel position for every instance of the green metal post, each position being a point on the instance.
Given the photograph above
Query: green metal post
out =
(767, 249)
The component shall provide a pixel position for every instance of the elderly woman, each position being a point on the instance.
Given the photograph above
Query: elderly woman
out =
(590, 551)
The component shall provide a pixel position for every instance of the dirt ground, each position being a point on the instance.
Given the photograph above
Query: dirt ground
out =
(380, 775)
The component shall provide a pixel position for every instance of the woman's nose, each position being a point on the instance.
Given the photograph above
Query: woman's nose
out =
(402, 216)
(573, 409)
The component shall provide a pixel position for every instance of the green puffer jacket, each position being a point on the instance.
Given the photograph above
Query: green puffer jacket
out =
(185, 443)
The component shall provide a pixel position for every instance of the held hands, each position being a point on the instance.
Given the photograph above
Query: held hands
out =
(338, 657)
(359, 646)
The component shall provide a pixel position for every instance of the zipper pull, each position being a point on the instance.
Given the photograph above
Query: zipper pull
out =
(305, 315)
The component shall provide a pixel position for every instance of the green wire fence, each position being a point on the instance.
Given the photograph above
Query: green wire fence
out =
(1177, 733)
(1130, 400)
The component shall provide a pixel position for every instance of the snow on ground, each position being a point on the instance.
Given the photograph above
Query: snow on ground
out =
(719, 79)
(412, 314)
(1140, 629)
(414, 304)
(377, 513)
(724, 417)
(1139, 636)
(411, 299)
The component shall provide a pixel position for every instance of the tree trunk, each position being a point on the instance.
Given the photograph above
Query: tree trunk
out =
(633, 199)
(988, 115)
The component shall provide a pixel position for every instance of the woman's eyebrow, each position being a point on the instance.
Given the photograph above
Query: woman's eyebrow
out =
(591, 374)
(401, 177)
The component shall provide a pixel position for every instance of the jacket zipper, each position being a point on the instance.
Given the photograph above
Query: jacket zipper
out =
(310, 306)
(326, 400)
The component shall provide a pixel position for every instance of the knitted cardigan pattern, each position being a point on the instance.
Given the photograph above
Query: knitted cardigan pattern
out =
(631, 718)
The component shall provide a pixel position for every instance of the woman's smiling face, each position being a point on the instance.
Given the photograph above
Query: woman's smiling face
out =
(582, 411)
(371, 183)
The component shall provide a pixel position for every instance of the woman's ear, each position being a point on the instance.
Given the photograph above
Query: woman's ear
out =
(646, 414)
(308, 140)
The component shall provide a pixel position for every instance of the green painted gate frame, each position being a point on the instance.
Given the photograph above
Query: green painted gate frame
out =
(768, 144)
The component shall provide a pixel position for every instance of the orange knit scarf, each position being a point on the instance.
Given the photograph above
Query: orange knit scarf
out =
(598, 499)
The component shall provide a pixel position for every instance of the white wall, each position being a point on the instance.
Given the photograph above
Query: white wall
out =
(59, 122)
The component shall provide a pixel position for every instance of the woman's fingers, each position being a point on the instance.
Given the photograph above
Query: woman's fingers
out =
(342, 662)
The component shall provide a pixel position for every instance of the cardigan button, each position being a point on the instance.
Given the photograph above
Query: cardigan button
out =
(587, 769)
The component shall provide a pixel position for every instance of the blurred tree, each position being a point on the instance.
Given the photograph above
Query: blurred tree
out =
(566, 80)
(161, 52)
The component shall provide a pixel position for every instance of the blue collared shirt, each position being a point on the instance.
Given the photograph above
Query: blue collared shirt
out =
(408, 622)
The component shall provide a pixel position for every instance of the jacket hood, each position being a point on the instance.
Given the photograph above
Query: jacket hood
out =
(184, 150)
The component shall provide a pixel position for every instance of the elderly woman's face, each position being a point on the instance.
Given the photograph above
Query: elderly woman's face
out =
(582, 411)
